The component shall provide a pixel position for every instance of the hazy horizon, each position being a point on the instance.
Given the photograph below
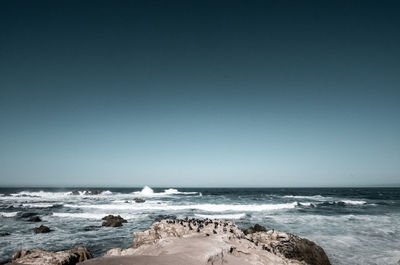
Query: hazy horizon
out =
(199, 93)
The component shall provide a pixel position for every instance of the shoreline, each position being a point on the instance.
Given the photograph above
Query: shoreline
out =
(193, 241)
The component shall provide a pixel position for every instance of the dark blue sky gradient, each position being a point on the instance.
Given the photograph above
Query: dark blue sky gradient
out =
(199, 93)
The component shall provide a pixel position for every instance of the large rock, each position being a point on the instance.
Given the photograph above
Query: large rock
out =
(42, 229)
(254, 229)
(113, 221)
(291, 247)
(40, 257)
(139, 200)
(193, 241)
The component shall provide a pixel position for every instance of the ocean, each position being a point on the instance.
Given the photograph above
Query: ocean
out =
(353, 225)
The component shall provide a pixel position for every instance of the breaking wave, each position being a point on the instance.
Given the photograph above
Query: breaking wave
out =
(201, 207)
(8, 214)
(222, 216)
(314, 197)
(41, 205)
(149, 192)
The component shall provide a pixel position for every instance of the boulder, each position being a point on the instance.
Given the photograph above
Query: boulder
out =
(42, 229)
(34, 219)
(291, 247)
(113, 221)
(40, 257)
(254, 229)
(138, 200)
(94, 192)
(86, 192)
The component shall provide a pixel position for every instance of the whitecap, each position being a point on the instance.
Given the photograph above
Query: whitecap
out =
(202, 207)
(149, 192)
(313, 197)
(97, 216)
(306, 204)
(40, 194)
(41, 205)
(222, 216)
(352, 202)
(8, 214)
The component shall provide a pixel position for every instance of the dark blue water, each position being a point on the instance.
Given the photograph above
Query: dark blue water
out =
(353, 225)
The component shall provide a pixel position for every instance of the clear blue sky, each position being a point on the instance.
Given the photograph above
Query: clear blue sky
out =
(199, 93)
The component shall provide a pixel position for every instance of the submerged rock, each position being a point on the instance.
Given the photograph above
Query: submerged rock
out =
(42, 229)
(113, 221)
(40, 257)
(195, 241)
(91, 228)
(28, 214)
(34, 219)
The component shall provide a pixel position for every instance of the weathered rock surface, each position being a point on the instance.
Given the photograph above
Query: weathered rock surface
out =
(34, 219)
(42, 229)
(113, 221)
(40, 257)
(193, 241)
(254, 229)
(291, 247)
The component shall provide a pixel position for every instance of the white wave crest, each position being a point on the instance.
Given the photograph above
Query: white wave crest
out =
(149, 192)
(352, 202)
(41, 205)
(40, 194)
(97, 216)
(314, 197)
(8, 214)
(306, 204)
(201, 207)
(222, 216)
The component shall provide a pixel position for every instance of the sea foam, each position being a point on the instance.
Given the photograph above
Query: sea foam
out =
(222, 216)
(8, 214)
(201, 207)
(149, 192)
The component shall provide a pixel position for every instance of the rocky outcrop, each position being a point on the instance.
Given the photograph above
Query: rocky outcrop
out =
(291, 247)
(138, 200)
(34, 219)
(193, 241)
(86, 192)
(42, 229)
(40, 257)
(254, 229)
(113, 221)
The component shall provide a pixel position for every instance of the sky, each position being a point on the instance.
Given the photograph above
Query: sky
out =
(199, 93)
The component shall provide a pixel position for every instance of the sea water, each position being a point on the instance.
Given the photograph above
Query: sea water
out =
(353, 225)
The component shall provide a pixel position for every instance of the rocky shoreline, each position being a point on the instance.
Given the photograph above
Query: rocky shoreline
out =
(193, 241)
